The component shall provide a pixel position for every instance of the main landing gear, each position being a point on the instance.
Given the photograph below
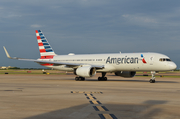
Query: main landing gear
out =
(79, 78)
(152, 80)
(103, 78)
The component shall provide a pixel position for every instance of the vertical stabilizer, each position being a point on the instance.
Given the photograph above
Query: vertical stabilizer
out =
(46, 51)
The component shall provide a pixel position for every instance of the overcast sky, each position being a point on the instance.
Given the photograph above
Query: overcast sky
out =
(89, 26)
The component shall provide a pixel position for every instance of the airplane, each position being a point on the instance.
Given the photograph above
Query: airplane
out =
(87, 65)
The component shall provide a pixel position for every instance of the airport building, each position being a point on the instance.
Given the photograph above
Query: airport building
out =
(4, 67)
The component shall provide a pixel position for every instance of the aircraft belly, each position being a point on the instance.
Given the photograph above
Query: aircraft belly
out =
(127, 67)
(107, 68)
(62, 68)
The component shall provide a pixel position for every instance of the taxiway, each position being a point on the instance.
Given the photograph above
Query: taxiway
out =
(61, 97)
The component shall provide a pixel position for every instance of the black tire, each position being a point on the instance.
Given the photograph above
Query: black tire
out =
(99, 78)
(102, 78)
(82, 78)
(77, 78)
(105, 78)
(152, 81)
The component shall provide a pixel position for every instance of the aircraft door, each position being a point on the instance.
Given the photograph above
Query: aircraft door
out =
(151, 60)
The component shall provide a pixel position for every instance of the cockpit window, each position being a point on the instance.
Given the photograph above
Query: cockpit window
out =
(168, 59)
(164, 59)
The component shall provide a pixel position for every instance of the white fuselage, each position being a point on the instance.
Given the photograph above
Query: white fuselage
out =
(117, 62)
(122, 64)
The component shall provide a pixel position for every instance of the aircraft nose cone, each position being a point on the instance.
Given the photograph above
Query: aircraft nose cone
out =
(172, 66)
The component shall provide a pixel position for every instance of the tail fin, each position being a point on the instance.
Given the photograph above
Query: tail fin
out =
(46, 51)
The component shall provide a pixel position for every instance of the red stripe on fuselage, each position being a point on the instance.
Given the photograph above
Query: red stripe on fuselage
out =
(36, 31)
(47, 64)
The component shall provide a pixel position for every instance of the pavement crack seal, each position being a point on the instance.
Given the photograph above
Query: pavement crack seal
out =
(86, 92)
(98, 107)
(10, 90)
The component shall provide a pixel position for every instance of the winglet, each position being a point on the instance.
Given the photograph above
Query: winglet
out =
(7, 54)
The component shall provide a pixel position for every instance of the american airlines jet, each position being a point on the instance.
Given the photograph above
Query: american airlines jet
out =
(87, 65)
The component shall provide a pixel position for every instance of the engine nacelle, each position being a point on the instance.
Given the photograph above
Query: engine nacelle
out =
(85, 71)
(126, 74)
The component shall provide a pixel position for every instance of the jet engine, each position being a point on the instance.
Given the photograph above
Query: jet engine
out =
(85, 71)
(125, 74)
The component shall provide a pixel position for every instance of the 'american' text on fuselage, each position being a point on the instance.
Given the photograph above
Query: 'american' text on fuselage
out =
(126, 60)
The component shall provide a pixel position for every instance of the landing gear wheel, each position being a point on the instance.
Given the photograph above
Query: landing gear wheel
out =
(105, 78)
(102, 78)
(79, 78)
(152, 81)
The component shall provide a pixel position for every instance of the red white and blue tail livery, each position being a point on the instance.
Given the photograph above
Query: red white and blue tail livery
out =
(87, 65)
(46, 51)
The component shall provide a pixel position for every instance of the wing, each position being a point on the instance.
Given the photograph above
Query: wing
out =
(42, 61)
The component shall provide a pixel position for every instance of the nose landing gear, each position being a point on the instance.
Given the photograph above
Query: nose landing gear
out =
(152, 80)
